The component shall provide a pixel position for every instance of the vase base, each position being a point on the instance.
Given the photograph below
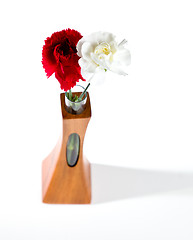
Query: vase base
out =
(67, 185)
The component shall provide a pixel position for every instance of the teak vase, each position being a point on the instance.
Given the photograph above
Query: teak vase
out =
(61, 183)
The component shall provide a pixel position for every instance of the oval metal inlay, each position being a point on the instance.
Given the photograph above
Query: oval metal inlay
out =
(73, 149)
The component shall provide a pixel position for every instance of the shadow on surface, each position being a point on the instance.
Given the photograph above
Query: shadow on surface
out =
(110, 183)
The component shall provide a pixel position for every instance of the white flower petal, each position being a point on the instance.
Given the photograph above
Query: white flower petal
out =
(86, 50)
(99, 52)
(113, 46)
(79, 47)
(100, 63)
(122, 56)
(118, 70)
(86, 75)
(88, 66)
(99, 76)
(105, 37)
(99, 37)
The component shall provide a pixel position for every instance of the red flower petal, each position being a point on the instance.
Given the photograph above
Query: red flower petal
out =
(68, 72)
(59, 56)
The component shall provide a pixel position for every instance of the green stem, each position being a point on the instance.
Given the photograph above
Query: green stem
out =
(70, 95)
(82, 94)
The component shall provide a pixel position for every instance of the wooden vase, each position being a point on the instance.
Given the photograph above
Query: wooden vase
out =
(61, 183)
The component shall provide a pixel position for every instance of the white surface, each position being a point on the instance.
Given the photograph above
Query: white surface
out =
(148, 194)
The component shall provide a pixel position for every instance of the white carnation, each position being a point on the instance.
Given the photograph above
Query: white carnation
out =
(99, 52)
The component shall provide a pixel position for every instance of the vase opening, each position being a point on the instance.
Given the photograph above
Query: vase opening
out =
(78, 106)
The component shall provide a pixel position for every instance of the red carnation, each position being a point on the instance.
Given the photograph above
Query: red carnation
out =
(59, 55)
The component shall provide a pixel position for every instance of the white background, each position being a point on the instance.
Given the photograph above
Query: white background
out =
(141, 124)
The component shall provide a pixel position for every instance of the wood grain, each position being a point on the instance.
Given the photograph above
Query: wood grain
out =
(62, 184)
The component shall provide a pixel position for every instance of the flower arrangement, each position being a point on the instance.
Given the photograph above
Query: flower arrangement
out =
(73, 57)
